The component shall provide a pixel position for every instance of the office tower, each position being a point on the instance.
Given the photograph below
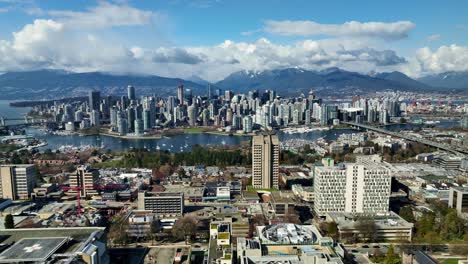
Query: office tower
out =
(188, 96)
(229, 115)
(170, 104)
(265, 161)
(361, 187)
(228, 95)
(131, 119)
(94, 100)
(68, 115)
(371, 115)
(113, 116)
(307, 117)
(147, 119)
(95, 121)
(104, 108)
(161, 203)
(296, 117)
(192, 115)
(180, 94)
(149, 104)
(122, 124)
(123, 102)
(131, 93)
(209, 92)
(85, 179)
(79, 116)
(17, 181)
(247, 124)
(236, 122)
(205, 117)
(383, 117)
(85, 123)
(139, 127)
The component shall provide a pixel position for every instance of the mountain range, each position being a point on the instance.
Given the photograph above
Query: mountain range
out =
(47, 84)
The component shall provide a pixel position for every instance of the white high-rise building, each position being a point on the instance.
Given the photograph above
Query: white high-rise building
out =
(361, 187)
(247, 124)
(95, 121)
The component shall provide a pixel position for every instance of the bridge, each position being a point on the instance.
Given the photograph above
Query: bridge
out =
(27, 122)
(451, 149)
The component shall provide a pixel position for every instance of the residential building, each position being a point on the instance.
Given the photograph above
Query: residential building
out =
(17, 181)
(361, 187)
(265, 161)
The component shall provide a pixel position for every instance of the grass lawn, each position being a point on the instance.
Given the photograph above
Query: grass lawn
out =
(194, 130)
(449, 261)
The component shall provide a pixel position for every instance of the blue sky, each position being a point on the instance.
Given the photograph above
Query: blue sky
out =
(182, 38)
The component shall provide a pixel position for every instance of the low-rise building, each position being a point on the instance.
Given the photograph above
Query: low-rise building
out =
(305, 193)
(388, 227)
(163, 204)
(220, 247)
(448, 162)
(288, 243)
(139, 223)
(54, 245)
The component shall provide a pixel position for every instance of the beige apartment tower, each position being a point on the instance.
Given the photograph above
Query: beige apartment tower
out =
(265, 161)
(85, 178)
(16, 181)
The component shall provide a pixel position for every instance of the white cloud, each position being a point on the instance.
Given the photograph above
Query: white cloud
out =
(70, 41)
(52, 44)
(103, 15)
(433, 37)
(395, 30)
(445, 58)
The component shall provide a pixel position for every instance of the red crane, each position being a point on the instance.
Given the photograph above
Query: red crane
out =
(77, 189)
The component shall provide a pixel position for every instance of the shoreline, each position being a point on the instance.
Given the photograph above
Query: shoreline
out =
(160, 136)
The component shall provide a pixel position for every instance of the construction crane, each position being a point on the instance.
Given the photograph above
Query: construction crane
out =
(78, 190)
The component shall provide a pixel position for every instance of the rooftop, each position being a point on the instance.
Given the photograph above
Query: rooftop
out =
(288, 234)
(32, 249)
(389, 220)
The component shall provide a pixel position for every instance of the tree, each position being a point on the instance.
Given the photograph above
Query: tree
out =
(166, 170)
(367, 228)
(155, 228)
(184, 228)
(181, 172)
(117, 232)
(332, 230)
(391, 257)
(407, 214)
(259, 219)
(9, 222)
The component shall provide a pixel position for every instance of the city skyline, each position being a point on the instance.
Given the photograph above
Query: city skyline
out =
(211, 40)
